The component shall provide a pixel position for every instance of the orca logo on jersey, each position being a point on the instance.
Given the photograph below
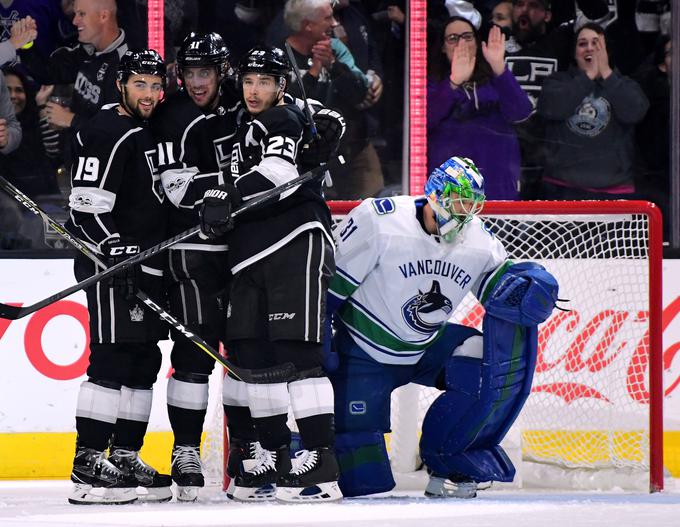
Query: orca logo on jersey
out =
(426, 312)
(217, 194)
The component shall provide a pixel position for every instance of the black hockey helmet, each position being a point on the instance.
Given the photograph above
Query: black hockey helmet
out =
(145, 61)
(203, 50)
(266, 61)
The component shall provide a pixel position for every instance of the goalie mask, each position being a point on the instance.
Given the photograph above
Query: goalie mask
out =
(455, 191)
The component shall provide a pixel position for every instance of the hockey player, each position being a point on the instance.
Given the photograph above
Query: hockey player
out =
(281, 257)
(403, 265)
(194, 130)
(116, 209)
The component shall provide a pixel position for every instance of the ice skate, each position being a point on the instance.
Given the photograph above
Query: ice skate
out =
(245, 456)
(454, 487)
(151, 486)
(314, 478)
(258, 483)
(187, 471)
(98, 481)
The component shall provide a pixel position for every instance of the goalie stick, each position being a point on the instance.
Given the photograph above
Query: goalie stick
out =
(14, 312)
(282, 373)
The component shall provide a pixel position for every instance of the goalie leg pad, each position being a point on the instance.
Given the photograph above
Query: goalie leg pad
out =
(362, 388)
(364, 464)
(464, 426)
(526, 294)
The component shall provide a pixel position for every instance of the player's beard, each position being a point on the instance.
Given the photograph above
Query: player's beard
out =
(136, 110)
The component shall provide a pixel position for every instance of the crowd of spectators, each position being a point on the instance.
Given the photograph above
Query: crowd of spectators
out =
(553, 100)
(595, 73)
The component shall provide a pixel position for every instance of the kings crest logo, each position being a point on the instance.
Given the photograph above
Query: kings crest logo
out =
(425, 312)
(137, 314)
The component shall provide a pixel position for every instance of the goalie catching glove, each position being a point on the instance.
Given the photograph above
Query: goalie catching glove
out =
(330, 127)
(124, 282)
(216, 210)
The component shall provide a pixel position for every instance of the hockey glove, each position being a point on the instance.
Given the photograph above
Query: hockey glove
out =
(124, 282)
(330, 126)
(215, 212)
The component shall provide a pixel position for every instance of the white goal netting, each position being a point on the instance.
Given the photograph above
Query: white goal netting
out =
(587, 422)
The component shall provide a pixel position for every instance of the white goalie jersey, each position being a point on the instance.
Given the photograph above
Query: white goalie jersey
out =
(399, 284)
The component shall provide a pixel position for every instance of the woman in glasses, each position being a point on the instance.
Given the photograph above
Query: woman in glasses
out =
(473, 102)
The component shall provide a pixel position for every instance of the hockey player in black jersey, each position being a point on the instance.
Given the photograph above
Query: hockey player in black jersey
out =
(194, 130)
(282, 258)
(117, 209)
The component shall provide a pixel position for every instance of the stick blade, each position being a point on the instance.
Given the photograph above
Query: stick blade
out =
(10, 312)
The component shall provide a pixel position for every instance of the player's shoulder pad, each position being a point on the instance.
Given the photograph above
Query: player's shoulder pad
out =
(285, 119)
(106, 127)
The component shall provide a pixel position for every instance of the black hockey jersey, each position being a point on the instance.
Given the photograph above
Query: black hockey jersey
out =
(92, 73)
(194, 150)
(265, 156)
(116, 189)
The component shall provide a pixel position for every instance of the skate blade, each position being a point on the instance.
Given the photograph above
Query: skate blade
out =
(452, 494)
(439, 487)
(264, 493)
(154, 494)
(89, 495)
(187, 493)
(322, 492)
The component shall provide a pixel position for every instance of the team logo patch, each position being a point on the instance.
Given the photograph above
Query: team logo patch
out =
(591, 117)
(357, 407)
(426, 311)
(383, 206)
(137, 314)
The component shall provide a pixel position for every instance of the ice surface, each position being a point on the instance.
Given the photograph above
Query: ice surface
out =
(43, 503)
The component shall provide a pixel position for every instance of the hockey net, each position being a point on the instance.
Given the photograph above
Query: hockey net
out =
(593, 419)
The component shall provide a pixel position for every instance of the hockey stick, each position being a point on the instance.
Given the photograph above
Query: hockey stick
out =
(277, 374)
(14, 312)
(298, 78)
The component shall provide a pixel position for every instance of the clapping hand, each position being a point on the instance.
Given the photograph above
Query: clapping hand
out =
(604, 69)
(462, 64)
(494, 50)
(23, 31)
(322, 55)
